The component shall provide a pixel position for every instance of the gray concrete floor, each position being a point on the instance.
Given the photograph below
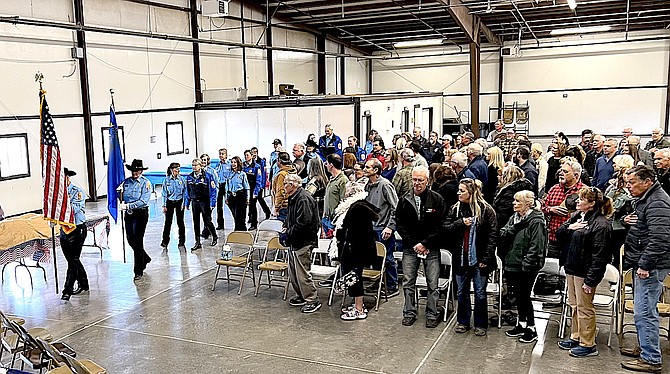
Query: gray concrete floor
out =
(171, 321)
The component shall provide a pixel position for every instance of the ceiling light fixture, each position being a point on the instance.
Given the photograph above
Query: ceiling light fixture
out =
(418, 43)
(580, 30)
(572, 4)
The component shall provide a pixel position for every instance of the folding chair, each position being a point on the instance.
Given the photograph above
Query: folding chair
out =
(266, 230)
(13, 342)
(243, 260)
(551, 267)
(494, 287)
(374, 276)
(627, 306)
(32, 353)
(443, 284)
(324, 271)
(83, 366)
(277, 265)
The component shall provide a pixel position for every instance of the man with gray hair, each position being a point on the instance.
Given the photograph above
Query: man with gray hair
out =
(662, 164)
(301, 229)
(476, 163)
(402, 181)
(604, 169)
(658, 141)
(419, 217)
(459, 162)
(381, 194)
(329, 143)
(299, 162)
(644, 157)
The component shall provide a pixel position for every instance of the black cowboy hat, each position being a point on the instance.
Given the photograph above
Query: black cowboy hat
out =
(69, 173)
(136, 165)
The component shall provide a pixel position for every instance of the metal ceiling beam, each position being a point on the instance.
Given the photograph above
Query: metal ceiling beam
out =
(471, 24)
(367, 14)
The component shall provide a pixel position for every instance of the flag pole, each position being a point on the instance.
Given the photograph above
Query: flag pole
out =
(123, 221)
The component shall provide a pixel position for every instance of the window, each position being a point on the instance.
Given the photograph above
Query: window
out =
(174, 131)
(105, 143)
(14, 146)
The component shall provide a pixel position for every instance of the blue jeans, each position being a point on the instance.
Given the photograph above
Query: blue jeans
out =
(281, 215)
(479, 279)
(391, 265)
(410, 267)
(646, 294)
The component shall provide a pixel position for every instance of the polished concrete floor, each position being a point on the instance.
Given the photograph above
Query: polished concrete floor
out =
(171, 321)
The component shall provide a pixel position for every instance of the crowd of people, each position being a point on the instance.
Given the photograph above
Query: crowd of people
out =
(482, 199)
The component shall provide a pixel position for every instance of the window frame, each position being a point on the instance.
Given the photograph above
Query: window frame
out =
(25, 140)
(105, 143)
(167, 138)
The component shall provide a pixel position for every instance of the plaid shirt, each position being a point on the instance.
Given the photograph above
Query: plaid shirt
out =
(555, 197)
(508, 146)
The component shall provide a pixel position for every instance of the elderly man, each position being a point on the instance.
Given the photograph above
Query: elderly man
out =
(402, 181)
(416, 136)
(560, 201)
(301, 235)
(662, 164)
(459, 162)
(299, 161)
(467, 138)
(329, 143)
(381, 194)
(509, 144)
(477, 164)
(626, 132)
(604, 169)
(657, 141)
(335, 191)
(647, 251)
(645, 156)
(419, 218)
(497, 133)
(279, 195)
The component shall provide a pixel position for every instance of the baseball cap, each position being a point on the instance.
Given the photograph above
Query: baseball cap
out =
(276, 141)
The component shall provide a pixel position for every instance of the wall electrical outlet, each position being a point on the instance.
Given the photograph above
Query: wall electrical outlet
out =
(186, 150)
(158, 156)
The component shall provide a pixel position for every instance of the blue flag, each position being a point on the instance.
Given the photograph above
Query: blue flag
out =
(115, 173)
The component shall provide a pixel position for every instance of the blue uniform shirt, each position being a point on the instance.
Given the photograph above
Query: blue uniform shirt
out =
(236, 182)
(199, 185)
(326, 142)
(173, 189)
(264, 172)
(209, 169)
(253, 172)
(136, 192)
(222, 171)
(360, 154)
(368, 147)
(77, 201)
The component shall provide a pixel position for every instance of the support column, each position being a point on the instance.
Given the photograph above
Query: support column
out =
(500, 84)
(86, 102)
(370, 77)
(196, 51)
(666, 125)
(244, 50)
(343, 63)
(321, 64)
(474, 87)
(268, 57)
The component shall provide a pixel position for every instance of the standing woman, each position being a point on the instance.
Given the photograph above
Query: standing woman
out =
(174, 187)
(136, 194)
(525, 239)
(72, 242)
(391, 165)
(554, 163)
(254, 179)
(622, 203)
(512, 181)
(496, 165)
(237, 193)
(585, 241)
(472, 223)
(541, 164)
(317, 181)
(201, 190)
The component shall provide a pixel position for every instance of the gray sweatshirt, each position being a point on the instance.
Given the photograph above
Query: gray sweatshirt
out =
(382, 195)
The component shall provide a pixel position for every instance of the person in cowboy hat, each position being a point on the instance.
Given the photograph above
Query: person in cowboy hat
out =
(72, 242)
(135, 201)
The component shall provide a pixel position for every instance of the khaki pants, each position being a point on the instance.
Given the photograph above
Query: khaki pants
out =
(583, 312)
(299, 265)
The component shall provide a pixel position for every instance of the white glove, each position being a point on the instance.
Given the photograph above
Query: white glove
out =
(123, 206)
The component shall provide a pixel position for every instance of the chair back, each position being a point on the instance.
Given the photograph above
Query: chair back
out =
(611, 274)
(240, 237)
(275, 244)
(271, 225)
(381, 249)
(75, 365)
(323, 246)
(446, 261)
(50, 350)
(551, 266)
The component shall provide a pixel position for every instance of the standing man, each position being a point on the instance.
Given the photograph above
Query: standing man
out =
(662, 164)
(136, 194)
(274, 168)
(522, 159)
(459, 162)
(644, 156)
(352, 142)
(300, 162)
(626, 132)
(587, 146)
(509, 144)
(377, 150)
(416, 136)
(657, 141)
(329, 143)
(223, 171)
(174, 189)
(302, 227)
(497, 134)
(648, 253)
(201, 190)
(381, 194)
(71, 243)
(420, 216)
(440, 156)
(477, 164)
(207, 167)
(431, 147)
(278, 192)
(402, 181)
(264, 181)
(604, 165)
(335, 191)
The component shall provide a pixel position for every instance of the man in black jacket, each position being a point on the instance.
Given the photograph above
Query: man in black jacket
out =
(419, 217)
(302, 226)
(647, 251)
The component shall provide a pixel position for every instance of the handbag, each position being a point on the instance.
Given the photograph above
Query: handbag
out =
(344, 282)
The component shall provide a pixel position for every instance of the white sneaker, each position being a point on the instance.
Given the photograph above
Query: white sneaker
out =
(354, 314)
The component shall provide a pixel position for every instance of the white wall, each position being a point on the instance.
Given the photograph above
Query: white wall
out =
(598, 73)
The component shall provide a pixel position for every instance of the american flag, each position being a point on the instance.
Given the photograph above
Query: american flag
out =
(56, 203)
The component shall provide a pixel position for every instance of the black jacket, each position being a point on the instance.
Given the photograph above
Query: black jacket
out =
(448, 191)
(302, 220)
(647, 244)
(524, 243)
(531, 174)
(356, 238)
(487, 235)
(587, 251)
(491, 187)
(505, 198)
(426, 229)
